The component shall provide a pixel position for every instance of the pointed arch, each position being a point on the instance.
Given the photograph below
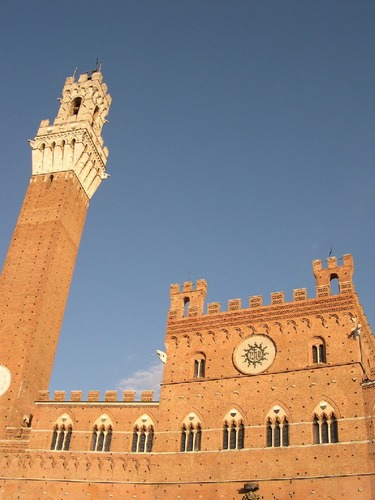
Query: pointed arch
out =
(325, 424)
(143, 434)
(62, 433)
(102, 434)
(191, 433)
(277, 427)
(233, 430)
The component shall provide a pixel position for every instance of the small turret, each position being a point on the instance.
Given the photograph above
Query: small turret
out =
(343, 273)
(187, 302)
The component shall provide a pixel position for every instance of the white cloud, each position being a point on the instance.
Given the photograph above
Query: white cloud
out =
(144, 380)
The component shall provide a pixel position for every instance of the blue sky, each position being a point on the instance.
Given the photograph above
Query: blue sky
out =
(241, 142)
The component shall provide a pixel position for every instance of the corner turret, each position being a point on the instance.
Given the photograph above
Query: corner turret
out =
(343, 273)
(187, 302)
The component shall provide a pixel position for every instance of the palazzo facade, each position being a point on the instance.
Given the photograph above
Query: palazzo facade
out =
(272, 401)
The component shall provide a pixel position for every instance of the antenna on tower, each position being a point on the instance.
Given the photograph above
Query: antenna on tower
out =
(75, 71)
(98, 65)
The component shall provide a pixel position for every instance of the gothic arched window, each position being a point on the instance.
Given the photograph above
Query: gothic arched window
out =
(191, 434)
(233, 431)
(62, 433)
(325, 426)
(277, 428)
(143, 435)
(143, 438)
(102, 434)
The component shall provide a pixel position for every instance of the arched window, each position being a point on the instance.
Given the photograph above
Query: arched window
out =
(76, 104)
(318, 351)
(95, 115)
(143, 439)
(199, 365)
(186, 306)
(102, 434)
(233, 431)
(143, 435)
(277, 428)
(285, 432)
(325, 427)
(62, 433)
(191, 434)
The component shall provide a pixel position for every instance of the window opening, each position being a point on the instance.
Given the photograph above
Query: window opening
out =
(61, 438)
(325, 429)
(199, 368)
(186, 306)
(319, 351)
(191, 438)
(76, 104)
(334, 284)
(95, 115)
(233, 435)
(143, 439)
(101, 438)
(277, 432)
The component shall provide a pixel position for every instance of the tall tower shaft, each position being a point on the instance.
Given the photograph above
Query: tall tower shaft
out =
(68, 164)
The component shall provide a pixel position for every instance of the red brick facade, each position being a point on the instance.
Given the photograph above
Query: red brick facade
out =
(280, 396)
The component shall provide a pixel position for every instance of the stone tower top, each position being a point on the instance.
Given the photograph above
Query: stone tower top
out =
(73, 142)
(188, 302)
(343, 273)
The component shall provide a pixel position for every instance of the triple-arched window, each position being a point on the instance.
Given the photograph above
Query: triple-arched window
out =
(233, 431)
(101, 438)
(191, 434)
(277, 428)
(62, 433)
(101, 434)
(143, 435)
(61, 437)
(325, 426)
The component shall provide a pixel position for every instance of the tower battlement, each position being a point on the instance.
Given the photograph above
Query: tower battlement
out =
(343, 273)
(73, 142)
(188, 302)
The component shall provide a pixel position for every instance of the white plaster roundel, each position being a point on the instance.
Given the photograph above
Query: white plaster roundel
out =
(254, 354)
(5, 378)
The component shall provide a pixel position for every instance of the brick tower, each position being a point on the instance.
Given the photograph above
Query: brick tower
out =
(68, 164)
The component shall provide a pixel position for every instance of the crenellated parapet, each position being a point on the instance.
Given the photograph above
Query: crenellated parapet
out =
(189, 302)
(111, 396)
(73, 142)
